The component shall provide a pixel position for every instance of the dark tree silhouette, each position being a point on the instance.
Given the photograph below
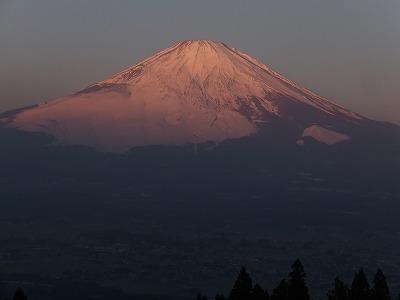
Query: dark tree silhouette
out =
(20, 295)
(201, 297)
(267, 296)
(258, 293)
(281, 291)
(360, 287)
(242, 287)
(339, 291)
(297, 289)
(380, 290)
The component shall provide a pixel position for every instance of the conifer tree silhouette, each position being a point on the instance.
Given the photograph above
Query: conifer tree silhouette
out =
(380, 290)
(281, 291)
(297, 289)
(339, 291)
(360, 287)
(19, 295)
(258, 293)
(242, 287)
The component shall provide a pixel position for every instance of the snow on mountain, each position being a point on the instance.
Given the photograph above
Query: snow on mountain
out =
(192, 92)
(323, 135)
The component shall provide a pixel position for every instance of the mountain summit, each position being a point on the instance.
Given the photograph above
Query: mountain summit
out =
(193, 92)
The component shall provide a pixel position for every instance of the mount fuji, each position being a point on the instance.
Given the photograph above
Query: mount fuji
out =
(194, 92)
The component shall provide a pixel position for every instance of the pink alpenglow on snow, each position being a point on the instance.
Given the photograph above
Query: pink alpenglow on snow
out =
(193, 92)
(323, 135)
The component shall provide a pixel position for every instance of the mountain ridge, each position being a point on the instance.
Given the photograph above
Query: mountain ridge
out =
(193, 92)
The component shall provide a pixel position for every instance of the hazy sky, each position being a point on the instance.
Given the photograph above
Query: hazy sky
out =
(347, 51)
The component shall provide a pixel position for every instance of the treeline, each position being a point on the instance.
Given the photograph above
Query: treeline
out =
(295, 288)
(19, 295)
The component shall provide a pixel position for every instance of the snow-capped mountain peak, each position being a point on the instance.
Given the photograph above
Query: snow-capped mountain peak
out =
(192, 92)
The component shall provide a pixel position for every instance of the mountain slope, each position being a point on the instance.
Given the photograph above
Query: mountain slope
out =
(192, 92)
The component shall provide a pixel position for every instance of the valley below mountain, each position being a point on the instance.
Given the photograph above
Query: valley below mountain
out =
(179, 220)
